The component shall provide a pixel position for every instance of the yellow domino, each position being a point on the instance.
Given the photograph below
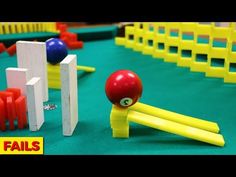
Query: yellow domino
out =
(13, 27)
(53, 76)
(230, 77)
(54, 84)
(129, 31)
(18, 27)
(120, 133)
(6, 27)
(176, 128)
(120, 41)
(119, 122)
(1, 28)
(172, 116)
(24, 27)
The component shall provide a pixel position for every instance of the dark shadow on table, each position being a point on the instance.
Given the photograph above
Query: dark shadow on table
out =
(82, 74)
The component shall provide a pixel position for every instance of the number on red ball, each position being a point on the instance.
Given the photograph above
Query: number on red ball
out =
(123, 88)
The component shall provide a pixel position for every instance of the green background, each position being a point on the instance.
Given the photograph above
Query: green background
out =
(165, 86)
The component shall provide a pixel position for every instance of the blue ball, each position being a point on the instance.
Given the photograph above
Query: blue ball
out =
(56, 50)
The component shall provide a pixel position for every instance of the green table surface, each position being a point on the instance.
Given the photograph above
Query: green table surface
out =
(27, 35)
(10, 39)
(165, 86)
(95, 33)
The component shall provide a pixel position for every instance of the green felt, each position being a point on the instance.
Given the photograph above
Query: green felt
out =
(164, 85)
(10, 39)
(161, 30)
(201, 58)
(202, 40)
(232, 67)
(101, 32)
(219, 44)
(217, 62)
(174, 34)
(26, 35)
(187, 37)
(234, 48)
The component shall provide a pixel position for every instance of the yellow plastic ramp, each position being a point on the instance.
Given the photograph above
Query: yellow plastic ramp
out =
(176, 128)
(179, 118)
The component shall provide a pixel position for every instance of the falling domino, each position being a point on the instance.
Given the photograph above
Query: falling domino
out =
(69, 94)
(33, 56)
(17, 78)
(35, 104)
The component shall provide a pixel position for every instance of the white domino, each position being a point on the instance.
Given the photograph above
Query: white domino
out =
(17, 78)
(33, 56)
(35, 104)
(69, 98)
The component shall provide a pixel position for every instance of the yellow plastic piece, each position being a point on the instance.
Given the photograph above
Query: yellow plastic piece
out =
(230, 77)
(54, 76)
(19, 27)
(186, 44)
(1, 28)
(201, 31)
(54, 84)
(138, 36)
(120, 41)
(215, 52)
(172, 116)
(24, 27)
(30, 27)
(86, 68)
(172, 41)
(160, 38)
(13, 27)
(40, 26)
(6, 27)
(129, 31)
(176, 128)
(35, 27)
(43, 27)
(119, 122)
(148, 49)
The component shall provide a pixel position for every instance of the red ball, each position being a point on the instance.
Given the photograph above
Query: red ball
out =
(123, 88)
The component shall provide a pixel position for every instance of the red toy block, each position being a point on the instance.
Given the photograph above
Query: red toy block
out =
(2, 115)
(4, 95)
(16, 92)
(64, 34)
(71, 36)
(2, 47)
(57, 25)
(62, 27)
(65, 40)
(75, 45)
(21, 111)
(11, 50)
(11, 112)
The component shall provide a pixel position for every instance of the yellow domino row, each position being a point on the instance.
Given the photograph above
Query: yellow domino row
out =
(155, 39)
(26, 27)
